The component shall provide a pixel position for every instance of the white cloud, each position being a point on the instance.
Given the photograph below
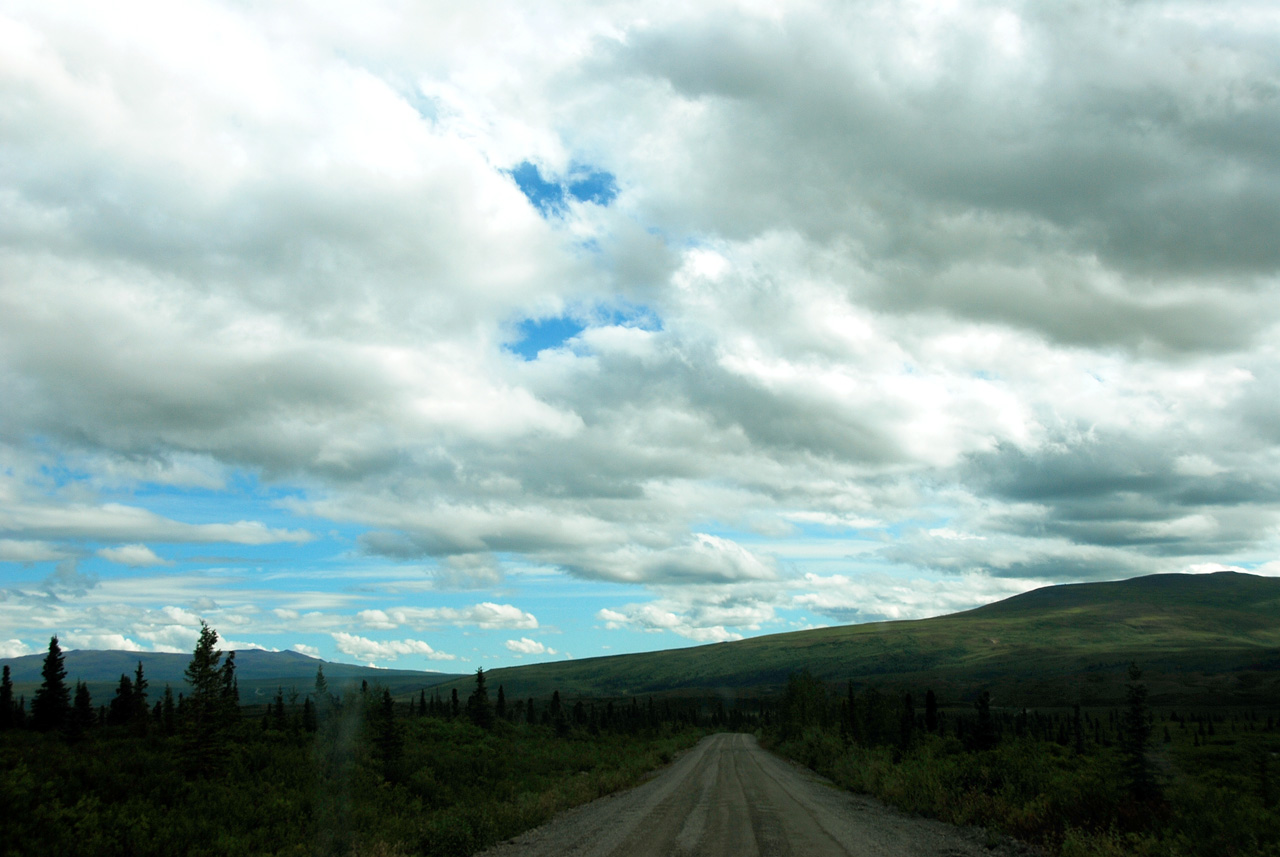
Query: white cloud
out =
(90, 640)
(527, 646)
(943, 280)
(137, 556)
(14, 649)
(485, 615)
(703, 622)
(13, 550)
(369, 650)
(875, 596)
(303, 648)
(114, 521)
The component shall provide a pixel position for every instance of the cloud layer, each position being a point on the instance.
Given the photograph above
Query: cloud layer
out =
(868, 311)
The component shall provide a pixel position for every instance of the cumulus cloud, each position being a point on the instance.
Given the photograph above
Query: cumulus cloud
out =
(366, 649)
(90, 640)
(878, 597)
(706, 617)
(485, 615)
(527, 646)
(14, 648)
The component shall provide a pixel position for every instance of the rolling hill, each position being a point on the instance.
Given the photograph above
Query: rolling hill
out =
(1203, 638)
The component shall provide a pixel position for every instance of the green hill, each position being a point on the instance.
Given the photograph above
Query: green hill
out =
(1202, 638)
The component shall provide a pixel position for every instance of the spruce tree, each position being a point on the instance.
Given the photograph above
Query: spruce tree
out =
(277, 711)
(6, 700)
(121, 711)
(907, 723)
(478, 703)
(930, 712)
(325, 702)
(309, 722)
(984, 736)
(500, 707)
(82, 714)
(1135, 735)
(381, 718)
(52, 703)
(209, 711)
(140, 709)
(168, 722)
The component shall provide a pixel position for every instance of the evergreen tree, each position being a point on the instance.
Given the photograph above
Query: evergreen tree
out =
(168, 721)
(529, 713)
(277, 711)
(121, 710)
(309, 722)
(453, 704)
(422, 702)
(6, 700)
(930, 712)
(500, 708)
(209, 711)
(478, 708)
(324, 702)
(52, 703)
(1135, 735)
(984, 734)
(140, 685)
(907, 725)
(82, 714)
(386, 736)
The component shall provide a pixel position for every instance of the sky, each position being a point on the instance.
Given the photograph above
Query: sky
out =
(442, 336)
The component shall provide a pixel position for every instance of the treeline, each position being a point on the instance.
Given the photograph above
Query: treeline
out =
(629, 716)
(1123, 780)
(320, 773)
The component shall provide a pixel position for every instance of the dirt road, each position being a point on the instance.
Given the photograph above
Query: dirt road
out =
(728, 798)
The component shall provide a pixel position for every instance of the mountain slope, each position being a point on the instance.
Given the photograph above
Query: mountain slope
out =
(1197, 636)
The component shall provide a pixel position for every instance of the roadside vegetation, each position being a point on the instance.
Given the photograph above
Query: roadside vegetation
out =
(1107, 781)
(189, 771)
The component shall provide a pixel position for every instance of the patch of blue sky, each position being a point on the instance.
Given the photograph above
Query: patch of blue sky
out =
(587, 184)
(546, 196)
(539, 334)
(535, 335)
(551, 194)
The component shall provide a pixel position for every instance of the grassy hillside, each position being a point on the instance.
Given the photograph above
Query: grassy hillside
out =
(1203, 637)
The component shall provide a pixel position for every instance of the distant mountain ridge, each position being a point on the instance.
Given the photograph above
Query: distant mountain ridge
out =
(257, 671)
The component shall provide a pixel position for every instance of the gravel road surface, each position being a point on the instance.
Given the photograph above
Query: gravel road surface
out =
(728, 798)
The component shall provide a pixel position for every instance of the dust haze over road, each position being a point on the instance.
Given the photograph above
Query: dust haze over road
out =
(728, 798)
